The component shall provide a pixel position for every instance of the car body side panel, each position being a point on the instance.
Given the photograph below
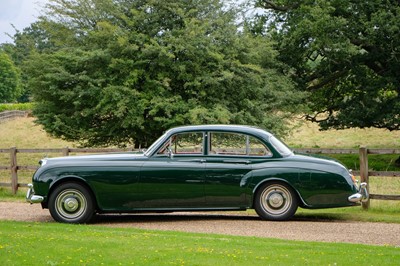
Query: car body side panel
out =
(115, 185)
(176, 182)
(319, 184)
(135, 185)
(321, 189)
(224, 186)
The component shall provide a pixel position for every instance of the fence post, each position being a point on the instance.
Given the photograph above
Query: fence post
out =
(14, 170)
(364, 171)
(65, 151)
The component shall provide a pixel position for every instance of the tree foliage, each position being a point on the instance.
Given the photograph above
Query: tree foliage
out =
(31, 39)
(123, 71)
(346, 53)
(10, 80)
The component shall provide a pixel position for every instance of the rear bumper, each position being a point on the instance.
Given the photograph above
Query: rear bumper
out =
(361, 196)
(31, 197)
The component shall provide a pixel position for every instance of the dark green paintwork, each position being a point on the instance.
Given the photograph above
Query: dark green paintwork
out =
(140, 182)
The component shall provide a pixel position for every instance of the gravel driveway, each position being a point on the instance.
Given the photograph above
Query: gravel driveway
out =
(230, 224)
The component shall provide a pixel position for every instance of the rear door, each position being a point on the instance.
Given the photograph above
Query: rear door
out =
(230, 159)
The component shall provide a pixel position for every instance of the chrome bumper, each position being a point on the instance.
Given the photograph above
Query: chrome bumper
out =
(31, 197)
(362, 195)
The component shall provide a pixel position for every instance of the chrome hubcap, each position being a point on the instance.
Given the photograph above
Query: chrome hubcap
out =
(276, 199)
(71, 204)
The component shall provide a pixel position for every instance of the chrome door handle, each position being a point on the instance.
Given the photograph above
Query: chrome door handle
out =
(237, 161)
(199, 160)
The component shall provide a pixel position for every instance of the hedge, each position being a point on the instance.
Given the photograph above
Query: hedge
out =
(16, 106)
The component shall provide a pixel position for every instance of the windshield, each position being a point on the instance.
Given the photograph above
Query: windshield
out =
(280, 146)
(154, 145)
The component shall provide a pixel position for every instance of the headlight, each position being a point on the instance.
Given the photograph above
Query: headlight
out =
(43, 162)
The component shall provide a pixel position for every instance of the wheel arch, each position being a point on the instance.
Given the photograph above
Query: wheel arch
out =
(71, 179)
(271, 180)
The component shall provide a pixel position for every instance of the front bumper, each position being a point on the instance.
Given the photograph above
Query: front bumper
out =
(31, 197)
(362, 195)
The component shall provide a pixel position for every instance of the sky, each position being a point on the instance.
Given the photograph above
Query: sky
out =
(20, 13)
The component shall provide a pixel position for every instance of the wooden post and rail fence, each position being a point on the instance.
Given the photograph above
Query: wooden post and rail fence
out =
(363, 152)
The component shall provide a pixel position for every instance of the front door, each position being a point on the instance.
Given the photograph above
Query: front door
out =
(174, 177)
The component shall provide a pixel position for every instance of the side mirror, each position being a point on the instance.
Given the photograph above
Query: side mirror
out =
(170, 153)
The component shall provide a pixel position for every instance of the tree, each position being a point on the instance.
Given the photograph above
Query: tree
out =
(31, 39)
(10, 83)
(125, 71)
(346, 54)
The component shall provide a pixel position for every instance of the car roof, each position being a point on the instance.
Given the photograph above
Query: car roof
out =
(232, 128)
(250, 130)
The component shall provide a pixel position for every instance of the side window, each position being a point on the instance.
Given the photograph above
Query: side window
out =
(185, 143)
(227, 144)
(236, 144)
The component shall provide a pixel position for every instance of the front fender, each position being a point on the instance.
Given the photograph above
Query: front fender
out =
(44, 182)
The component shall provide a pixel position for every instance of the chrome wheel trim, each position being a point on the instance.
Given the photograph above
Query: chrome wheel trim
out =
(276, 199)
(71, 204)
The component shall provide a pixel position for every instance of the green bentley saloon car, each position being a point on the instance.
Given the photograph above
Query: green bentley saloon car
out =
(195, 168)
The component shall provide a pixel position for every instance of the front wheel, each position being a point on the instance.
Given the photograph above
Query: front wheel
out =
(71, 203)
(276, 202)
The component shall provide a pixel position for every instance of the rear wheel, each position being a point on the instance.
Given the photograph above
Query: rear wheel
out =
(276, 202)
(71, 203)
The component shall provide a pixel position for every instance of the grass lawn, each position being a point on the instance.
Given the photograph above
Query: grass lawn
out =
(308, 135)
(61, 244)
